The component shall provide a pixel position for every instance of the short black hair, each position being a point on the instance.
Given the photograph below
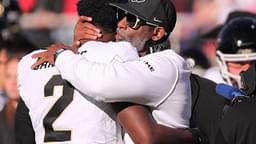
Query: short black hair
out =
(102, 14)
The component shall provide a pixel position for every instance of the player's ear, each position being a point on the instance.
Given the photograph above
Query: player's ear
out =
(159, 32)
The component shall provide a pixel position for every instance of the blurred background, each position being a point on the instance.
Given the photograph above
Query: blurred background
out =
(26, 25)
(44, 22)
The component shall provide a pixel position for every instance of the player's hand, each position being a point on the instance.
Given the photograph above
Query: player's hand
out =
(48, 55)
(85, 31)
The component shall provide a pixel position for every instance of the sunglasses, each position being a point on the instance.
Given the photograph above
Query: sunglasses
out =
(133, 21)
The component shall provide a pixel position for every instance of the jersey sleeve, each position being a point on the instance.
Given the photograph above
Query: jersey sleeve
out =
(138, 81)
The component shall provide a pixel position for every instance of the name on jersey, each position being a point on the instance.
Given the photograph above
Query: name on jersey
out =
(48, 65)
(44, 66)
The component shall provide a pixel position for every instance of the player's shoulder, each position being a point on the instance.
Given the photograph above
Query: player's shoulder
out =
(94, 45)
(26, 61)
(109, 50)
(28, 58)
(124, 50)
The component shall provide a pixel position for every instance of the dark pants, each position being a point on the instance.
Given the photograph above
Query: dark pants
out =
(238, 125)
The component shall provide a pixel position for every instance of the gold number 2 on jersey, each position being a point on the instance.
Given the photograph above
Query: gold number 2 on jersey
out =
(52, 135)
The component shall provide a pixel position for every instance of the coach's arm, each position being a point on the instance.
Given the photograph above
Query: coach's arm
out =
(131, 81)
(141, 127)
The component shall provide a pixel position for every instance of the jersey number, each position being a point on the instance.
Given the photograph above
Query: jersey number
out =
(52, 135)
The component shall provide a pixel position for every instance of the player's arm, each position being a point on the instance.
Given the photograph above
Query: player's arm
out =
(139, 124)
(24, 131)
(129, 81)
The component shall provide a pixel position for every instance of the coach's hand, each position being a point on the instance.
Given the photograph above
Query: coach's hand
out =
(48, 55)
(85, 31)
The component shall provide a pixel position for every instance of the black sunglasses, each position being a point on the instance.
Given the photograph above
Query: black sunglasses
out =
(133, 21)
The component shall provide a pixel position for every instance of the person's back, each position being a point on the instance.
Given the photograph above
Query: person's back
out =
(55, 108)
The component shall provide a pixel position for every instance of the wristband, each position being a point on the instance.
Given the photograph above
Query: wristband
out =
(58, 52)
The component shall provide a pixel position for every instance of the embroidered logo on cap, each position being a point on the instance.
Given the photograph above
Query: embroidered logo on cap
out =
(138, 1)
(156, 20)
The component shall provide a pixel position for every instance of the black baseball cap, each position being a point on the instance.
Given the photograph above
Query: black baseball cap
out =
(158, 12)
(213, 33)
